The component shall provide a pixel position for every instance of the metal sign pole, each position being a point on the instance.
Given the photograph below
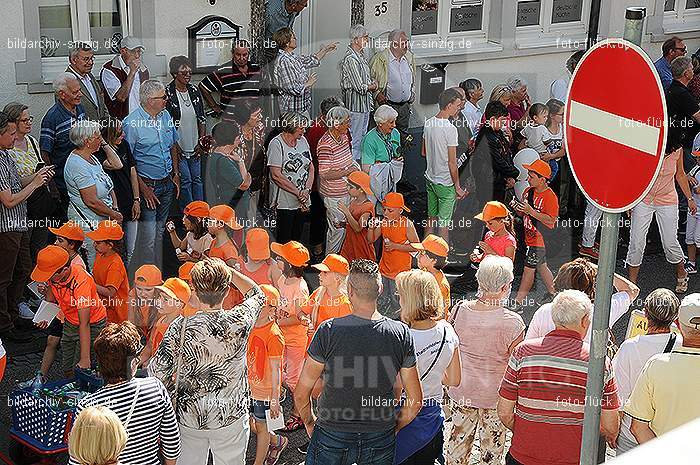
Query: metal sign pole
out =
(610, 228)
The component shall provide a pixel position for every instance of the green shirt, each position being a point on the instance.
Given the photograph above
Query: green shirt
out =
(375, 147)
(223, 179)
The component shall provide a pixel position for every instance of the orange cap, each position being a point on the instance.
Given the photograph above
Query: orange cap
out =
(176, 288)
(197, 209)
(107, 230)
(360, 178)
(225, 215)
(395, 200)
(257, 242)
(185, 271)
(292, 252)
(272, 295)
(492, 209)
(540, 167)
(433, 244)
(49, 260)
(334, 263)
(148, 275)
(69, 230)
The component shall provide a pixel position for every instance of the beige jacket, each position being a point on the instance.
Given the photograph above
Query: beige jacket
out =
(379, 70)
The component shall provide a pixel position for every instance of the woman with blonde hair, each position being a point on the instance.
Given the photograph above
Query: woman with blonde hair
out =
(98, 437)
(438, 362)
(502, 93)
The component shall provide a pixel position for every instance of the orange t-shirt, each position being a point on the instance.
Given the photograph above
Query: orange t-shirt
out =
(544, 202)
(225, 252)
(330, 307)
(155, 337)
(142, 313)
(79, 291)
(260, 276)
(444, 290)
(293, 296)
(356, 245)
(394, 262)
(110, 271)
(264, 344)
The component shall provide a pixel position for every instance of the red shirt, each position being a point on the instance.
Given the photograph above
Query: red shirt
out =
(546, 377)
(544, 202)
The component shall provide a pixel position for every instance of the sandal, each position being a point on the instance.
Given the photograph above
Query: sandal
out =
(682, 284)
(294, 423)
(274, 452)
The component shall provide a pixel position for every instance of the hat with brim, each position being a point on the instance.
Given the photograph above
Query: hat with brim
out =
(540, 167)
(361, 180)
(492, 209)
(176, 288)
(333, 263)
(292, 252)
(395, 200)
(107, 230)
(69, 230)
(225, 215)
(49, 260)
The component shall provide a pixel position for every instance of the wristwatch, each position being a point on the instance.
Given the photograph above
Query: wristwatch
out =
(137, 199)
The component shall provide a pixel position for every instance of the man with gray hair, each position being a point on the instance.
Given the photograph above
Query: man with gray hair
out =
(122, 78)
(152, 136)
(666, 393)
(543, 391)
(683, 109)
(82, 59)
(55, 126)
(394, 69)
(279, 14)
(357, 86)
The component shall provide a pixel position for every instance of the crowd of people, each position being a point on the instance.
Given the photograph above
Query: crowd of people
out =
(379, 356)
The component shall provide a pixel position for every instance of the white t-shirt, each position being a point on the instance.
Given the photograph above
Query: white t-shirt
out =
(439, 135)
(295, 164)
(560, 88)
(427, 343)
(536, 135)
(628, 363)
(554, 141)
(112, 84)
(542, 323)
(189, 133)
(472, 114)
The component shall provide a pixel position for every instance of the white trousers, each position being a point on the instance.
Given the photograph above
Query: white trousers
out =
(667, 219)
(590, 224)
(358, 129)
(692, 230)
(228, 445)
(335, 236)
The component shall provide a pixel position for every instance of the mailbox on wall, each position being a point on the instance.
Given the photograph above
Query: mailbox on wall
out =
(432, 83)
(206, 40)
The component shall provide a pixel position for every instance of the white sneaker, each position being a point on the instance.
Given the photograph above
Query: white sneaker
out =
(24, 311)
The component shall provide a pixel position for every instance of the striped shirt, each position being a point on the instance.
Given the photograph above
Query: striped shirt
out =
(233, 86)
(11, 219)
(54, 137)
(354, 80)
(152, 426)
(546, 377)
(291, 74)
(332, 155)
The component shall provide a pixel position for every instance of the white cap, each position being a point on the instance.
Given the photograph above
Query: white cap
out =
(131, 43)
(689, 311)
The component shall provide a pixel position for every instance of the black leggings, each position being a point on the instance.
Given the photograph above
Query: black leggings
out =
(428, 454)
(290, 226)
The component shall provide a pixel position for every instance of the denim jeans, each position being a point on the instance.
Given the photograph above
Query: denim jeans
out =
(339, 448)
(152, 225)
(191, 187)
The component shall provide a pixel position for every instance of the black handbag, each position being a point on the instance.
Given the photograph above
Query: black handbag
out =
(40, 205)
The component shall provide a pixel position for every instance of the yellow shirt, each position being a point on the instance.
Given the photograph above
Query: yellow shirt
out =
(666, 391)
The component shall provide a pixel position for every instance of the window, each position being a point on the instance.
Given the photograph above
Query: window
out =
(106, 27)
(55, 27)
(448, 17)
(542, 23)
(681, 16)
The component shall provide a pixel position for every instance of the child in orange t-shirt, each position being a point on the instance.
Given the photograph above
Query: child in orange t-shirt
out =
(143, 311)
(399, 234)
(289, 277)
(330, 300)
(197, 240)
(185, 273)
(432, 259)
(358, 235)
(109, 271)
(258, 264)
(264, 363)
(222, 223)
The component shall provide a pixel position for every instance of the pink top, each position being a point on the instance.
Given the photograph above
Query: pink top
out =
(333, 155)
(500, 243)
(663, 192)
(484, 339)
(78, 260)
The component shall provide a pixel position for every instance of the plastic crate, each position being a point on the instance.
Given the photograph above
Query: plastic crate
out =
(36, 423)
(87, 381)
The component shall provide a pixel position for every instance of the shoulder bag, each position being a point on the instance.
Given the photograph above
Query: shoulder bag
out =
(437, 356)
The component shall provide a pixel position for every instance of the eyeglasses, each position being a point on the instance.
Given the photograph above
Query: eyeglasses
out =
(681, 49)
(162, 97)
(88, 59)
(187, 72)
(26, 120)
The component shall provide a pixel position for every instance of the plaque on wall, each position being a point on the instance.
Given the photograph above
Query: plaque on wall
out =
(424, 22)
(466, 18)
(566, 11)
(207, 38)
(529, 13)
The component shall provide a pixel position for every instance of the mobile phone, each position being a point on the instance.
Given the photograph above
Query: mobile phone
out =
(39, 166)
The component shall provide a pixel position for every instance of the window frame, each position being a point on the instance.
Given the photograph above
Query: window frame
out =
(547, 34)
(444, 13)
(680, 19)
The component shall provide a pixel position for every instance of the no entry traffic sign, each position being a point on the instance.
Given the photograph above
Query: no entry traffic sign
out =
(615, 125)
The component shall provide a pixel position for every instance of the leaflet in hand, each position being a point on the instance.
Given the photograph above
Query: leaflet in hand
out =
(274, 424)
(47, 312)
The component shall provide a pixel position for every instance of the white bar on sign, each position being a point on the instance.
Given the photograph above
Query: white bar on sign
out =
(624, 131)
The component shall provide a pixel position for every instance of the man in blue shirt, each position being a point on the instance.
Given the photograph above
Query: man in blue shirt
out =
(53, 141)
(671, 49)
(280, 13)
(152, 136)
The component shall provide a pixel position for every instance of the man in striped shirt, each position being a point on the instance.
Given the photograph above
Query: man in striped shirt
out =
(142, 404)
(543, 393)
(235, 82)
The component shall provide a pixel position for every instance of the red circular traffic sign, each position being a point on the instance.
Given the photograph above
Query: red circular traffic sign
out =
(615, 125)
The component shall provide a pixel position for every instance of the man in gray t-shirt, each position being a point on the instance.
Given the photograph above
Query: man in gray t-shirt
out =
(359, 357)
